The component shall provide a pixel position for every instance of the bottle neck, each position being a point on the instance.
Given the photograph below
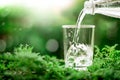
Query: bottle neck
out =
(89, 7)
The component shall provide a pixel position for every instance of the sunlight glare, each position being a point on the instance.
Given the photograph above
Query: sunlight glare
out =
(39, 4)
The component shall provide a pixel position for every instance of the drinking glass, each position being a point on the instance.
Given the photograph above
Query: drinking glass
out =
(78, 46)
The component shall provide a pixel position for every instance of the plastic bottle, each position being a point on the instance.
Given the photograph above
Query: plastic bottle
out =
(105, 7)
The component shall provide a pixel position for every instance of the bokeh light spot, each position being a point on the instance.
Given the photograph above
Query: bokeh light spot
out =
(52, 45)
(2, 45)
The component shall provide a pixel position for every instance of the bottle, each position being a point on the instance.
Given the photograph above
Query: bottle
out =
(105, 7)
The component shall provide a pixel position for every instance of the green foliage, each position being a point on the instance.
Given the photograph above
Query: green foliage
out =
(106, 63)
(12, 19)
(108, 57)
(24, 64)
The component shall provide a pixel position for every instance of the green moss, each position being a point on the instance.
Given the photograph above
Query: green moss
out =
(24, 64)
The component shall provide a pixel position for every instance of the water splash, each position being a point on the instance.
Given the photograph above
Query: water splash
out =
(79, 55)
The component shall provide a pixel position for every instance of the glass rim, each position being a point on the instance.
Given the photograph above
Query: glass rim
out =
(74, 26)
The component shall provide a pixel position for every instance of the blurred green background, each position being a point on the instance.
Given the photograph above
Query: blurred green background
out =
(43, 30)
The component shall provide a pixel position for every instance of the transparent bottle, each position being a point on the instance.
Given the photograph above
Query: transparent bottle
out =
(105, 7)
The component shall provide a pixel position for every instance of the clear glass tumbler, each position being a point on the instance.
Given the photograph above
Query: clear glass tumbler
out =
(78, 48)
